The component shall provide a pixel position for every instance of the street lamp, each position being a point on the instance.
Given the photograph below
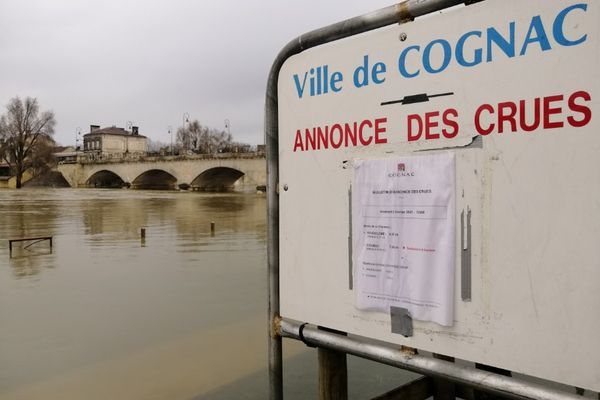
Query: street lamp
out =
(186, 118)
(171, 134)
(228, 127)
(77, 138)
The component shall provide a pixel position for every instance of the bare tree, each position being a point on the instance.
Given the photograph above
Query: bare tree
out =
(184, 139)
(22, 128)
(156, 146)
(201, 139)
(42, 156)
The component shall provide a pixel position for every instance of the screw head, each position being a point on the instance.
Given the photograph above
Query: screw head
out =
(285, 187)
(402, 37)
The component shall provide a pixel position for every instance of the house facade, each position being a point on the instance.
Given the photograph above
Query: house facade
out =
(114, 142)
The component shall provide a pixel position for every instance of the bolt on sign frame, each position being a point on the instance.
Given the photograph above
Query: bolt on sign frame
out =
(509, 88)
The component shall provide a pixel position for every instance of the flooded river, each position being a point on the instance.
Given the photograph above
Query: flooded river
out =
(180, 315)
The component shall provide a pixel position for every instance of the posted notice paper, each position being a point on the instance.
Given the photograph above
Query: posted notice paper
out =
(403, 222)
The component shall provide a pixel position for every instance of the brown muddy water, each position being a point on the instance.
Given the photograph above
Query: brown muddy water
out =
(182, 315)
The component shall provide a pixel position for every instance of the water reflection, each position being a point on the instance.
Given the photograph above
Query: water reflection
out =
(194, 215)
(27, 265)
(113, 216)
(113, 305)
(190, 214)
(103, 317)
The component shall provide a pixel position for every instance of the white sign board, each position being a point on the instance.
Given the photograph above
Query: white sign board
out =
(509, 89)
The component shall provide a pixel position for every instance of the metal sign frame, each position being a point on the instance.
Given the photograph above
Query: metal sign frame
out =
(279, 327)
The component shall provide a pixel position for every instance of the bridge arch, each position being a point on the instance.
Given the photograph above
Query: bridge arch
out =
(105, 179)
(155, 179)
(217, 179)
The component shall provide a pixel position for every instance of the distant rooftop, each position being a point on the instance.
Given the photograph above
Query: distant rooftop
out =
(113, 130)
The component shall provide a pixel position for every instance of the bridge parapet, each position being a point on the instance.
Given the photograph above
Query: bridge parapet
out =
(128, 158)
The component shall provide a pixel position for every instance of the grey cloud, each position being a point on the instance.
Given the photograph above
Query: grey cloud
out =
(113, 61)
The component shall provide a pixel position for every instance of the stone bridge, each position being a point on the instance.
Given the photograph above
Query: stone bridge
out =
(239, 172)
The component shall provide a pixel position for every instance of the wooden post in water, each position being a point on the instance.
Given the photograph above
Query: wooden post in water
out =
(443, 389)
(333, 373)
(212, 228)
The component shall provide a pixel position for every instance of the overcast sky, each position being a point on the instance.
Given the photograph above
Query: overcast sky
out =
(107, 62)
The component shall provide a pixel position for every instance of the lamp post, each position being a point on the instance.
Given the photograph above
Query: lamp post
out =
(186, 118)
(171, 134)
(77, 138)
(228, 126)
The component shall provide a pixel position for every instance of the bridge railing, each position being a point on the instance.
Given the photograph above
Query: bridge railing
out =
(98, 158)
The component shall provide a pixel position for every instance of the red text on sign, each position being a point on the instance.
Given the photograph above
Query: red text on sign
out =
(429, 125)
(348, 134)
(548, 112)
